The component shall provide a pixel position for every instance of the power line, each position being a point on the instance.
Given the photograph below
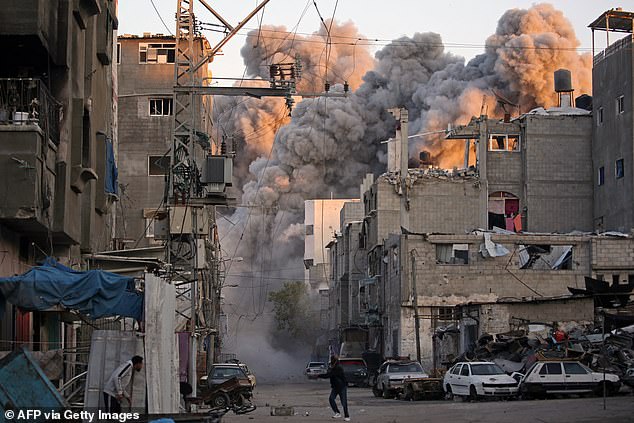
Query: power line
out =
(161, 18)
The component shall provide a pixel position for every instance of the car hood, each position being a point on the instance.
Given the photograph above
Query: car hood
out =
(493, 379)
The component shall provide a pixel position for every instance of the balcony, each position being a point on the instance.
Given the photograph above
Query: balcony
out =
(29, 136)
(27, 101)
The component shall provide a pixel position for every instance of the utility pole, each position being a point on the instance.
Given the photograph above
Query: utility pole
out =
(415, 304)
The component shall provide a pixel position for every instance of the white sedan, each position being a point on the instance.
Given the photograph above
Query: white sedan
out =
(479, 379)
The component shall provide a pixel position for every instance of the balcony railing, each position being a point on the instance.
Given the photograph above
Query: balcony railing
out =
(27, 101)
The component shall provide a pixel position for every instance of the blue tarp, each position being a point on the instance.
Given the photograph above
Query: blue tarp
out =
(112, 174)
(94, 293)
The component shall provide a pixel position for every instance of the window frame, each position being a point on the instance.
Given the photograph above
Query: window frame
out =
(619, 169)
(156, 158)
(163, 101)
(507, 143)
(154, 48)
(600, 116)
(453, 256)
(118, 53)
(620, 105)
(601, 176)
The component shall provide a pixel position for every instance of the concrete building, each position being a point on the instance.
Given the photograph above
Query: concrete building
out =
(146, 81)
(57, 145)
(613, 125)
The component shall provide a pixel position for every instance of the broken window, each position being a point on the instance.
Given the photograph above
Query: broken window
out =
(445, 314)
(157, 53)
(452, 253)
(504, 142)
(504, 211)
(160, 107)
(545, 257)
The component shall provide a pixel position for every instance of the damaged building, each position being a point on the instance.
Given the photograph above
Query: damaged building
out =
(503, 241)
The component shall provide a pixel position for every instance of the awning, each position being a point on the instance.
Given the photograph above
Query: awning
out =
(94, 293)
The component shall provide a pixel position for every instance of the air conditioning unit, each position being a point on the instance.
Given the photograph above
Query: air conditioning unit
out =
(217, 174)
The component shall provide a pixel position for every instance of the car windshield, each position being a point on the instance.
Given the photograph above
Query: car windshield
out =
(406, 368)
(486, 369)
(352, 364)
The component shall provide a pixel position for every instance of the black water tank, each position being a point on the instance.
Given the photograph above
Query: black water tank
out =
(563, 80)
(584, 101)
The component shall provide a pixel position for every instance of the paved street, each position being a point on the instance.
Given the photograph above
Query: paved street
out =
(310, 401)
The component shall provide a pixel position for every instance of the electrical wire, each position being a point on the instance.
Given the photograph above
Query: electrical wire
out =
(161, 18)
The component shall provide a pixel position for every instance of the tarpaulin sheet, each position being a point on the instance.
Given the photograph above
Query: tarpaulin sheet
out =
(94, 293)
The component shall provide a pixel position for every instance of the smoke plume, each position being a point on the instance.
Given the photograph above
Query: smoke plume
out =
(329, 144)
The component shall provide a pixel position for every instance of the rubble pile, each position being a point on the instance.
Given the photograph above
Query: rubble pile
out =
(516, 351)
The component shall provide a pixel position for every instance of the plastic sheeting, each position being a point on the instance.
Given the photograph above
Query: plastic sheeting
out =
(94, 293)
(491, 249)
(161, 346)
(108, 349)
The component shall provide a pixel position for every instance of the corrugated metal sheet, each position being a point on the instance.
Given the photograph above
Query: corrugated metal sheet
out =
(24, 385)
(161, 346)
(107, 351)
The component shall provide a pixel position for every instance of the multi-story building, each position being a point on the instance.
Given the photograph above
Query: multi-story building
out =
(146, 115)
(613, 125)
(57, 145)
(512, 225)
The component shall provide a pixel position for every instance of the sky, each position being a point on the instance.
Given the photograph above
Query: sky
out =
(463, 24)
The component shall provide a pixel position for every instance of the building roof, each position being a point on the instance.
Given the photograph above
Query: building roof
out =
(615, 20)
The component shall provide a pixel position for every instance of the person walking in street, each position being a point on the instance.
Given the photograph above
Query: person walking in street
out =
(338, 387)
(115, 388)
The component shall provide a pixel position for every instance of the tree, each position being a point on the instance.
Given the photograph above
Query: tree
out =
(291, 306)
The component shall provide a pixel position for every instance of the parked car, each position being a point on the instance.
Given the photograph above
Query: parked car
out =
(355, 370)
(389, 381)
(565, 377)
(479, 379)
(314, 369)
(222, 372)
(249, 374)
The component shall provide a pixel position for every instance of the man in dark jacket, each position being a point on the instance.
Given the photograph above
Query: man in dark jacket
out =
(339, 386)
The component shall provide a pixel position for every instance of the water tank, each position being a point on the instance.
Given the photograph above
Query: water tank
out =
(563, 81)
(584, 101)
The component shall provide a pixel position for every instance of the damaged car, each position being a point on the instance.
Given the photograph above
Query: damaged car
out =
(566, 377)
(479, 379)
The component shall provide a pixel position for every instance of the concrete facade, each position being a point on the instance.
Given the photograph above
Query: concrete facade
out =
(54, 159)
(613, 136)
(145, 128)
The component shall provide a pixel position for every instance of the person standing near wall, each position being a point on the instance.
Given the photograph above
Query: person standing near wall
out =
(115, 388)
(338, 387)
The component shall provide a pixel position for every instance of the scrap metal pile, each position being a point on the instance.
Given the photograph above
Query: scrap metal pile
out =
(516, 351)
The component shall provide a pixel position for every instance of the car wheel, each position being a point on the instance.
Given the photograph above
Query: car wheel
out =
(473, 394)
(388, 394)
(449, 395)
(376, 391)
(220, 400)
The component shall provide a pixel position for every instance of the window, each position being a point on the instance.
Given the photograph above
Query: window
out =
(310, 230)
(600, 116)
(452, 253)
(118, 53)
(465, 370)
(504, 142)
(574, 369)
(552, 368)
(619, 171)
(160, 107)
(158, 165)
(447, 314)
(149, 227)
(601, 176)
(456, 369)
(157, 53)
(620, 105)
(545, 257)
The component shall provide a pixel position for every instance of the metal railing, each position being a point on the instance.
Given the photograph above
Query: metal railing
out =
(27, 101)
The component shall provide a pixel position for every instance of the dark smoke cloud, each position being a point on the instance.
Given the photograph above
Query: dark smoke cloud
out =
(330, 144)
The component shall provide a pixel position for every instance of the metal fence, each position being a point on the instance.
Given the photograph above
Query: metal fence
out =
(25, 101)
